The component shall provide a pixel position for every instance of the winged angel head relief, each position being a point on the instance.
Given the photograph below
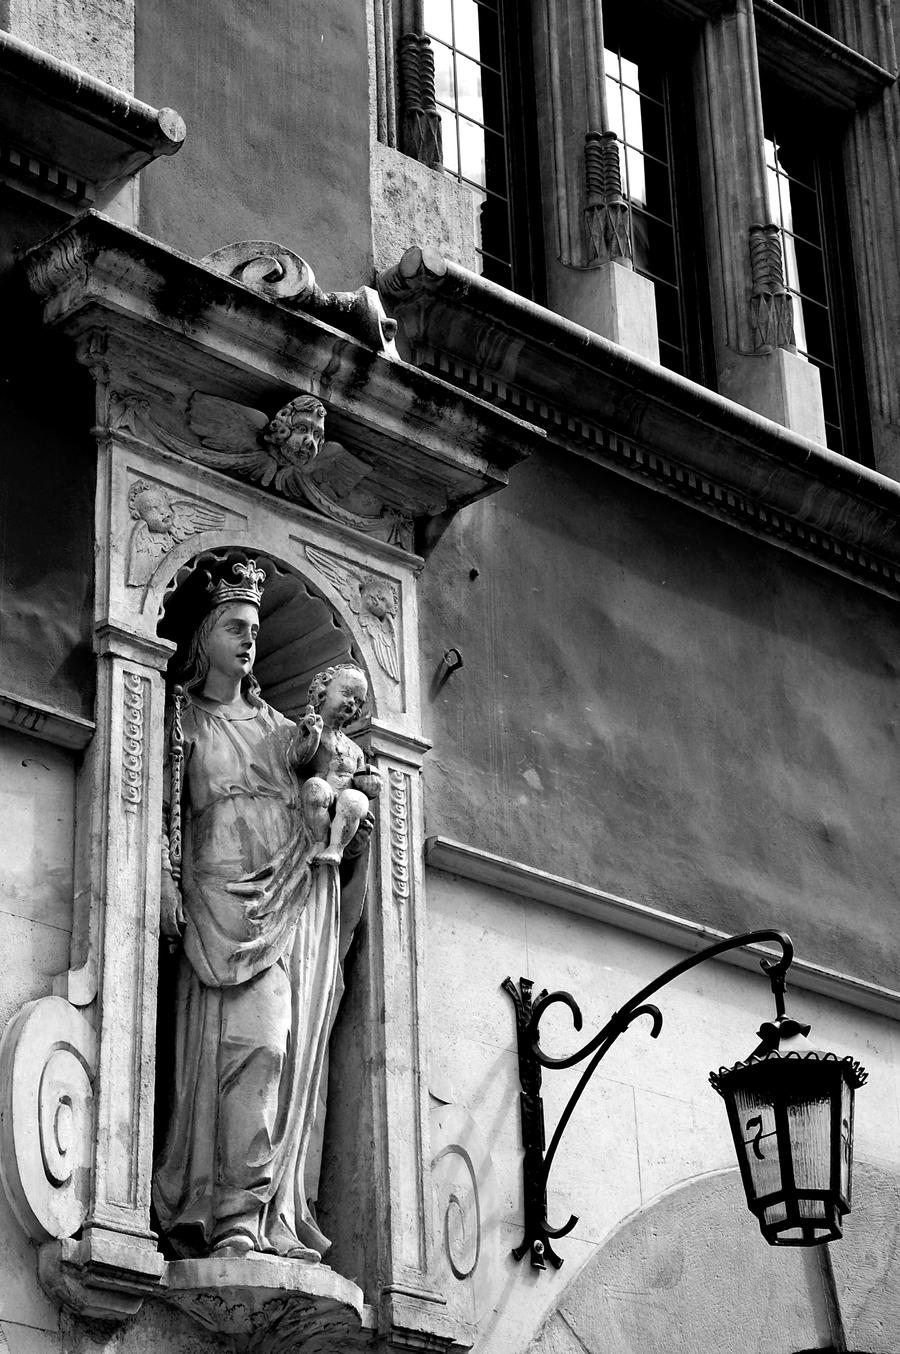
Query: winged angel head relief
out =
(288, 453)
(273, 451)
(162, 521)
(372, 599)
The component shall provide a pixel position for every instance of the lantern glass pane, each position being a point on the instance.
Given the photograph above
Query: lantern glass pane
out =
(755, 1120)
(809, 1125)
(846, 1136)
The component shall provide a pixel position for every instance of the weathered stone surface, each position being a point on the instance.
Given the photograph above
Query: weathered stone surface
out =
(672, 1267)
(411, 202)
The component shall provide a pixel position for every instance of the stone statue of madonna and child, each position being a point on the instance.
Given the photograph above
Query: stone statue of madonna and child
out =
(265, 856)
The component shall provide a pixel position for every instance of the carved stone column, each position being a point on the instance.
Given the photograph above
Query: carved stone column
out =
(116, 1239)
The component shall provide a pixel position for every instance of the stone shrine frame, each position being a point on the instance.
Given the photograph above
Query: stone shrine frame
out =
(202, 383)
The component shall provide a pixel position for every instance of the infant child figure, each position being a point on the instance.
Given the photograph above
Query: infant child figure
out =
(336, 795)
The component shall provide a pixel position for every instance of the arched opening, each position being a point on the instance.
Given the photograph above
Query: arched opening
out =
(299, 632)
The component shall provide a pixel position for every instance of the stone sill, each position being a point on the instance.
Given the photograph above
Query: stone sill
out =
(71, 131)
(511, 876)
(596, 399)
(45, 721)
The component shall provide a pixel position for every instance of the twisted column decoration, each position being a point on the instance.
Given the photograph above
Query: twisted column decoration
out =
(607, 216)
(771, 304)
(420, 125)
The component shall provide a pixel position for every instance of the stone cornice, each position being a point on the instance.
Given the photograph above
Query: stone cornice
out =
(85, 135)
(524, 881)
(636, 418)
(140, 311)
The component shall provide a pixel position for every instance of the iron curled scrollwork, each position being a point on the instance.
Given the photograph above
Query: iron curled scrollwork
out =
(537, 1156)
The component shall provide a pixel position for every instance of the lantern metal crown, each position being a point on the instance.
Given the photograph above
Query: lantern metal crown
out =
(790, 1108)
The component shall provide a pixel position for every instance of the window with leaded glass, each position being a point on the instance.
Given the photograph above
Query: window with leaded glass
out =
(482, 58)
(808, 204)
(649, 101)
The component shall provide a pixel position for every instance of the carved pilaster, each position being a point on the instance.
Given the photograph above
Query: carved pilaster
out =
(412, 1314)
(420, 127)
(771, 305)
(607, 216)
(126, 868)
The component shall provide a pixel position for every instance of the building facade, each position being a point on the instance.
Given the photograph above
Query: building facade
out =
(543, 358)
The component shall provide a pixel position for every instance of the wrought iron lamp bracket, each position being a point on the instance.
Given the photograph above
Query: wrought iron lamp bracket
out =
(537, 1158)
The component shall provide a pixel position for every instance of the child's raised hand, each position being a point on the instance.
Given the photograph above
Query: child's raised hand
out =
(311, 723)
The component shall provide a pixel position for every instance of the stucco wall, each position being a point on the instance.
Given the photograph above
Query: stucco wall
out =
(37, 790)
(649, 1120)
(275, 98)
(669, 710)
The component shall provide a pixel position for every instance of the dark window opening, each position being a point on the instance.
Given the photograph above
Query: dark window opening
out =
(649, 98)
(483, 58)
(808, 202)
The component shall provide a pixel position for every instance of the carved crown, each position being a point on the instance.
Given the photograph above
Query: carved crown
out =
(249, 589)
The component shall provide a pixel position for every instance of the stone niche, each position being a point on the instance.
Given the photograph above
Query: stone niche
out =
(208, 378)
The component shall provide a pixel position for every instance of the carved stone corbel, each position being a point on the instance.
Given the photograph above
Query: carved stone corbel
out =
(267, 1305)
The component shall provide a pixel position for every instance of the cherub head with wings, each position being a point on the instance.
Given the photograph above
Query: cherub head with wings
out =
(297, 431)
(151, 504)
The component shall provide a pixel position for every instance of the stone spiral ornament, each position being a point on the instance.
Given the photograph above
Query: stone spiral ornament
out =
(271, 268)
(456, 1186)
(47, 1064)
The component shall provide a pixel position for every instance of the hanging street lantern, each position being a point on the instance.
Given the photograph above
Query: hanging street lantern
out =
(790, 1107)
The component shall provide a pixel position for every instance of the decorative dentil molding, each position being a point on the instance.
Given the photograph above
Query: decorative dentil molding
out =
(374, 601)
(283, 276)
(593, 398)
(161, 521)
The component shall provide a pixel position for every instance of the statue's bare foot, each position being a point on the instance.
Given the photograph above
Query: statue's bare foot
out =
(233, 1245)
(330, 856)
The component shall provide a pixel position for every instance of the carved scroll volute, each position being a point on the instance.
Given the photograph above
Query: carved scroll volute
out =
(47, 1062)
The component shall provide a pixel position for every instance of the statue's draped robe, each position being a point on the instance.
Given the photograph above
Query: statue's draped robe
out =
(258, 986)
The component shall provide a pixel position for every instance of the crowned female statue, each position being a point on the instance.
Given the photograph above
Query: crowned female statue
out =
(264, 866)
